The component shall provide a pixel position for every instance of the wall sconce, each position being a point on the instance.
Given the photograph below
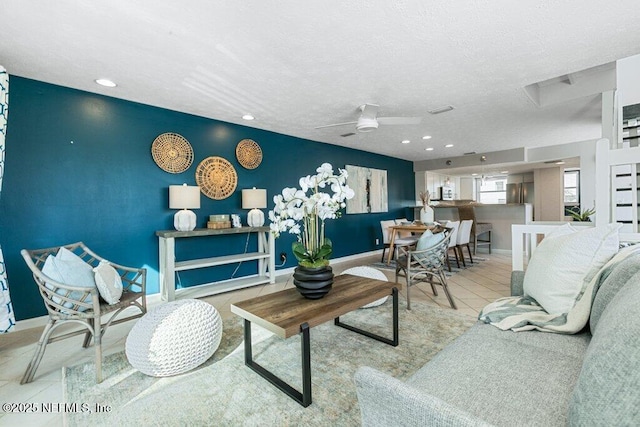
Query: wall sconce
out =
(184, 197)
(254, 199)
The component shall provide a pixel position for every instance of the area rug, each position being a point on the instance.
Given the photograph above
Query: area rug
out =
(225, 392)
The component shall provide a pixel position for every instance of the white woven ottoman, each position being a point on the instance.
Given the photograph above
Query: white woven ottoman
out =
(371, 273)
(174, 338)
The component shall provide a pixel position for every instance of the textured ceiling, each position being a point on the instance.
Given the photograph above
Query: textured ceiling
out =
(296, 65)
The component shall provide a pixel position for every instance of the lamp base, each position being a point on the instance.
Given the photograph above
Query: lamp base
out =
(184, 220)
(255, 218)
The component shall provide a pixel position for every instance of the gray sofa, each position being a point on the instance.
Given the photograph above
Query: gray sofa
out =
(493, 377)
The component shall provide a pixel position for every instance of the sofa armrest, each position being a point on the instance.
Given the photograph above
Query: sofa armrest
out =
(385, 401)
(517, 280)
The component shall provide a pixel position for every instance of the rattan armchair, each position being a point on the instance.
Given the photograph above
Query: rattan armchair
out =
(74, 304)
(425, 266)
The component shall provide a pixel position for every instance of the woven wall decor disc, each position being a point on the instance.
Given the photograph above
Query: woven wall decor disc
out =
(172, 152)
(249, 153)
(216, 178)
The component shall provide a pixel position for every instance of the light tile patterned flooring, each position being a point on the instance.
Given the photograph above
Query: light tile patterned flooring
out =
(472, 289)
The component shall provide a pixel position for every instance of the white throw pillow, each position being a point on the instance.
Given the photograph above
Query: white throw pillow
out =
(74, 270)
(565, 262)
(109, 282)
(70, 272)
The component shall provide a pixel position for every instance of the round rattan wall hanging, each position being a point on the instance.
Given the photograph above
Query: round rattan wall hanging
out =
(249, 154)
(172, 152)
(216, 178)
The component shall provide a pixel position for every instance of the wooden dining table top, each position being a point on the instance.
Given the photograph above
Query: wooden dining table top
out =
(412, 227)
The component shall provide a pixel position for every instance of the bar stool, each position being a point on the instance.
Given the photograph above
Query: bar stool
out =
(478, 229)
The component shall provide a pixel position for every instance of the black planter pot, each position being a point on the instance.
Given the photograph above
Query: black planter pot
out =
(313, 283)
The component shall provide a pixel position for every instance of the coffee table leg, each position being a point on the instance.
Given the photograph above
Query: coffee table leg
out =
(394, 342)
(303, 398)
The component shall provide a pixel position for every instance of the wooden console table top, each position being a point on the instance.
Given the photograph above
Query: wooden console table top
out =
(283, 312)
(210, 231)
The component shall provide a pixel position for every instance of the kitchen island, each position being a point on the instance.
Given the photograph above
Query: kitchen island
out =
(500, 216)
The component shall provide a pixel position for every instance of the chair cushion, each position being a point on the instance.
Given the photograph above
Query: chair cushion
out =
(109, 282)
(565, 261)
(606, 392)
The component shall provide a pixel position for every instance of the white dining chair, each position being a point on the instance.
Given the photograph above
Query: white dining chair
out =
(454, 226)
(399, 240)
(464, 237)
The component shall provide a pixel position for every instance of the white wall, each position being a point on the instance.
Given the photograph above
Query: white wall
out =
(466, 188)
(628, 81)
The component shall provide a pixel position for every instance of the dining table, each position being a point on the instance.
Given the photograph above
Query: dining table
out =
(414, 228)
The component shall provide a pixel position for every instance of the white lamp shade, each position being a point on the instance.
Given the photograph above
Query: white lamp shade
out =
(184, 197)
(254, 199)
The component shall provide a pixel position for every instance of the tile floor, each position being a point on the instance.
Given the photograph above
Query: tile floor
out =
(472, 289)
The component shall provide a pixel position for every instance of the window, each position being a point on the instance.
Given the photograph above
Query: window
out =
(571, 191)
(492, 190)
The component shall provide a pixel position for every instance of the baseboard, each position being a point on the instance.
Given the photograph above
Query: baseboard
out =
(154, 300)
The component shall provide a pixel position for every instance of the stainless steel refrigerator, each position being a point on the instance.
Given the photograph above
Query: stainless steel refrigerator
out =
(521, 192)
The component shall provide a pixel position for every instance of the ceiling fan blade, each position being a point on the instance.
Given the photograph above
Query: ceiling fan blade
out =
(369, 111)
(399, 120)
(334, 125)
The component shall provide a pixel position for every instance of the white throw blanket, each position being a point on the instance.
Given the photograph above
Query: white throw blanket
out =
(525, 314)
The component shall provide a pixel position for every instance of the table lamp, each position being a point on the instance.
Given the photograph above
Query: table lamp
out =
(184, 197)
(254, 199)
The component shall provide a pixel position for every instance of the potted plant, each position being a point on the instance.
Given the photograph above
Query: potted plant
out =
(303, 212)
(583, 216)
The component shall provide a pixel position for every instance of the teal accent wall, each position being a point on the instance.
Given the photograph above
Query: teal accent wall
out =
(79, 168)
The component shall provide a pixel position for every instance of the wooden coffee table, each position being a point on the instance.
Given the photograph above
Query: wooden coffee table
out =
(287, 313)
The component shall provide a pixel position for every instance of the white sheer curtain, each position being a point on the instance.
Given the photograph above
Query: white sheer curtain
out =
(7, 319)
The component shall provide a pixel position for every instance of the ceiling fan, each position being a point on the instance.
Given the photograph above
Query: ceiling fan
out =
(369, 120)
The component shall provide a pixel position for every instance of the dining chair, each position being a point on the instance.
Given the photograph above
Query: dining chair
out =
(399, 240)
(480, 231)
(77, 302)
(426, 265)
(463, 239)
(454, 226)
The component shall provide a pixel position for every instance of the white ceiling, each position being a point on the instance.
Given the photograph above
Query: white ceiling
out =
(295, 65)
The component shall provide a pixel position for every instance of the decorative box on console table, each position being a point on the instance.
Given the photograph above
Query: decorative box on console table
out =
(219, 221)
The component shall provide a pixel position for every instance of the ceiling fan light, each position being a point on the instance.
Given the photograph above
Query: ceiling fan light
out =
(366, 124)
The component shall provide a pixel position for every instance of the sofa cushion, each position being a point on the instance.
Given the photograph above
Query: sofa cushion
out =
(504, 377)
(606, 392)
(565, 262)
(616, 279)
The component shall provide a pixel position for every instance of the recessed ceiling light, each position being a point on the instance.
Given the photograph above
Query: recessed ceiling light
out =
(105, 82)
(448, 146)
(405, 141)
(429, 149)
(248, 117)
(560, 162)
(504, 172)
(426, 137)
(474, 174)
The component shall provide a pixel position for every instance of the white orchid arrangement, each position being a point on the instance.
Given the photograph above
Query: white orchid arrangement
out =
(303, 212)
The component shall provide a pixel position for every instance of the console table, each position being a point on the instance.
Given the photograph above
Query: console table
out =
(169, 266)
